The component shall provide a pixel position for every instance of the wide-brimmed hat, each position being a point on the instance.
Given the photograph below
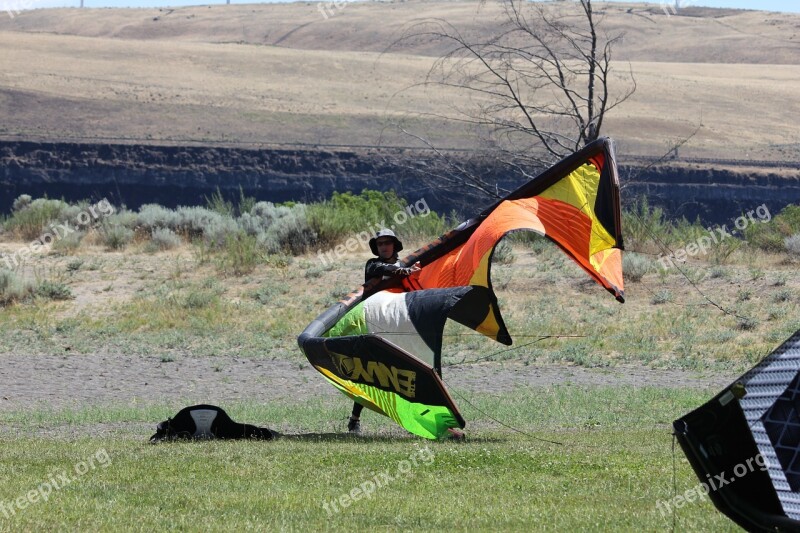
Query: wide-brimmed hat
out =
(385, 233)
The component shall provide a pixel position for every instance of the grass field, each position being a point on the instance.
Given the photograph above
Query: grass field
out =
(568, 432)
(612, 466)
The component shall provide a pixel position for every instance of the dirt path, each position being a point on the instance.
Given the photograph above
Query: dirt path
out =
(47, 381)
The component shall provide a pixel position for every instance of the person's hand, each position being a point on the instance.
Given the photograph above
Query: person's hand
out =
(407, 271)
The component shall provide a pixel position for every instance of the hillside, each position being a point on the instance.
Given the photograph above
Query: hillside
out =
(691, 35)
(283, 73)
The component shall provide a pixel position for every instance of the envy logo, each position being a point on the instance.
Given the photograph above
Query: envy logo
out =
(389, 377)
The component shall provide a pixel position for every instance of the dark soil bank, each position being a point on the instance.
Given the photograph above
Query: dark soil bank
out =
(186, 175)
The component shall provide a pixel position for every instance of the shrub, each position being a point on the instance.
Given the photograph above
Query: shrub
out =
(503, 253)
(122, 218)
(219, 204)
(743, 295)
(776, 313)
(70, 213)
(788, 220)
(32, 218)
(266, 211)
(782, 296)
(348, 215)
(280, 261)
(116, 237)
(291, 231)
(252, 224)
(532, 240)
(721, 251)
(645, 224)
(75, 265)
(164, 239)
(153, 216)
(267, 294)
(219, 231)
(661, 297)
(718, 272)
(268, 242)
(764, 237)
(201, 222)
(194, 220)
(771, 236)
(200, 299)
(240, 254)
(279, 228)
(684, 231)
(69, 244)
(315, 272)
(53, 290)
(793, 245)
(246, 203)
(635, 266)
(12, 288)
(22, 201)
(746, 323)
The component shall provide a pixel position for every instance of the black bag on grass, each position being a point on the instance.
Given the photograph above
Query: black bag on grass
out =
(207, 422)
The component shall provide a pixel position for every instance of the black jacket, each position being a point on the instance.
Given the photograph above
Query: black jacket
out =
(378, 268)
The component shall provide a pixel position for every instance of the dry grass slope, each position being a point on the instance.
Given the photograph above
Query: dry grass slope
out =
(283, 73)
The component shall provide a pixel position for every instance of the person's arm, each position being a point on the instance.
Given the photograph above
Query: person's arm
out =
(377, 268)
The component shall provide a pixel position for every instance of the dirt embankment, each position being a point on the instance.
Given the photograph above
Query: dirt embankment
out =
(186, 175)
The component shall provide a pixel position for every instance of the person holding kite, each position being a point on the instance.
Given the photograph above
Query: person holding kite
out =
(385, 245)
(383, 348)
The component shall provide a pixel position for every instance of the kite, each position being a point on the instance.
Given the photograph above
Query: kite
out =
(205, 421)
(382, 344)
(744, 444)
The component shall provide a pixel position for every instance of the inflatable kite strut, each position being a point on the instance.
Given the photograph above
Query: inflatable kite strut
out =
(382, 344)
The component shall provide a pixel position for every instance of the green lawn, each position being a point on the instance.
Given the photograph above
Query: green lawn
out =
(613, 464)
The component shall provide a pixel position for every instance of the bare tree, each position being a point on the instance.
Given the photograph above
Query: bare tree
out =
(537, 90)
